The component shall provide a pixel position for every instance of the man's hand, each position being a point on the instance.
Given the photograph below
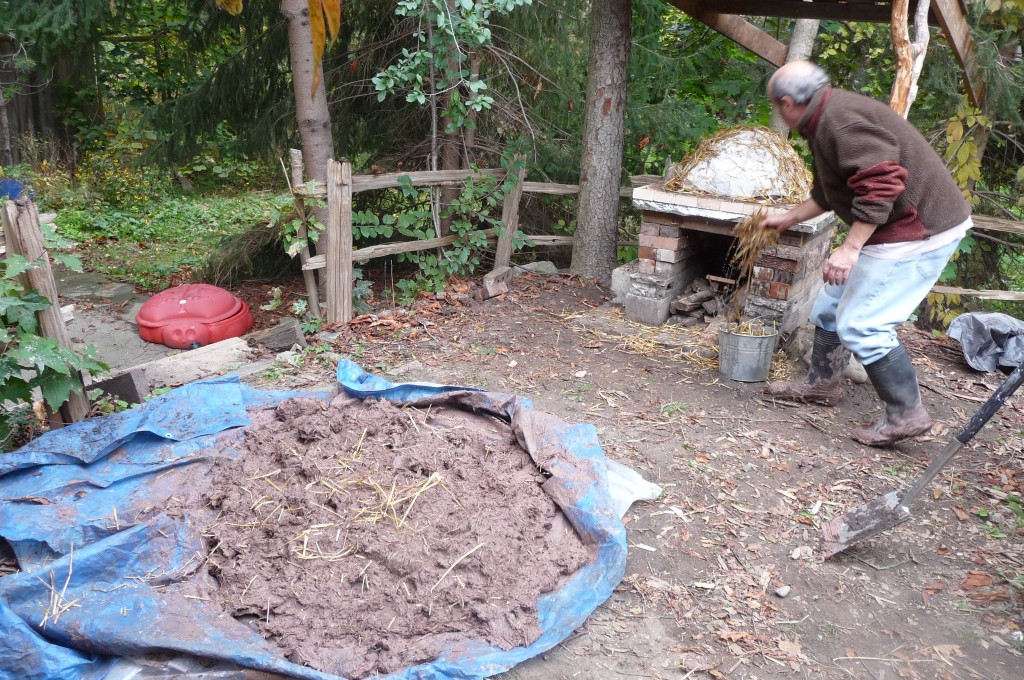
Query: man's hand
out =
(807, 210)
(840, 263)
(778, 221)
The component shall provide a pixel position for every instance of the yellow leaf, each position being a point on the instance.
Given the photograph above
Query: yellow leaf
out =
(232, 7)
(963, 154)
(954, 131)
(318, 34)
(332, 11)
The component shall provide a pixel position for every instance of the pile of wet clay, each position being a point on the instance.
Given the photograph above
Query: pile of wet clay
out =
(362, 538)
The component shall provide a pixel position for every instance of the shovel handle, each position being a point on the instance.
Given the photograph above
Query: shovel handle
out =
(973, 426)
(989, 408)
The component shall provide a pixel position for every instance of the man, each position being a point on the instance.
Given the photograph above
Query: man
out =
(906, 217)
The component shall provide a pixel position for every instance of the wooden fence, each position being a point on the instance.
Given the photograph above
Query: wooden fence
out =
(342, 184)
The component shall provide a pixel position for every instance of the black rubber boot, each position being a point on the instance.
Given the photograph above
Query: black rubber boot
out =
(895, 380)
(824, 381)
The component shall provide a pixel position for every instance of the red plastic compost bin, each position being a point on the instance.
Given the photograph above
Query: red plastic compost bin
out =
(192, 315)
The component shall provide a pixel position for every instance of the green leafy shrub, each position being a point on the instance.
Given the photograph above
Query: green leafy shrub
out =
(31, 363)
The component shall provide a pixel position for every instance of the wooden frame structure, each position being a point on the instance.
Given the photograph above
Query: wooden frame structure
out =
(726, 17)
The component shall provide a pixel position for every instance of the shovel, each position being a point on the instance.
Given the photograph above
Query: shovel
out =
(893, 508)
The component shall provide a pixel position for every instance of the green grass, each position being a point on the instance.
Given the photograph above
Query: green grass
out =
(153, 241)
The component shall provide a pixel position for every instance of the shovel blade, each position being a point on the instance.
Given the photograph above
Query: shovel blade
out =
(862, 522)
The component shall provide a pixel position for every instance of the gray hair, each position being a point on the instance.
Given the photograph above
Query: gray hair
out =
(800, 86)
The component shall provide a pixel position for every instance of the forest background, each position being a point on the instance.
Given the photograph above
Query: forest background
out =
(156, 129)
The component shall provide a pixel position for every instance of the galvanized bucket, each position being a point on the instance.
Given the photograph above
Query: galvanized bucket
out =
(745, 357)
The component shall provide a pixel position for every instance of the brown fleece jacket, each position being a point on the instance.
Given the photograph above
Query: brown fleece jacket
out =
(871, 165)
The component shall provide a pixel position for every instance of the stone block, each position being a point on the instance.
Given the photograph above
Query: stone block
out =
(645, 266)
(662, 255)
(620, 281)
(130, 387)
(644, 285)
(647, 310)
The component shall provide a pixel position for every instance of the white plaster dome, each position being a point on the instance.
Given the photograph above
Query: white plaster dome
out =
(746, 164)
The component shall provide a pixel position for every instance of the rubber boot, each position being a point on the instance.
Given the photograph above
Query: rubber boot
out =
(895, 381)
(824, 381)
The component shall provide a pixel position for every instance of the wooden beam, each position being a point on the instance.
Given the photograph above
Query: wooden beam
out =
(338, 258)
(1011, 295)
(986, 223)
(510, 218)
(736, 28)
(951, 18)
(871, 12)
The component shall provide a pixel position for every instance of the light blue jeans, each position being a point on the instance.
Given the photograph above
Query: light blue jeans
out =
(879, 295)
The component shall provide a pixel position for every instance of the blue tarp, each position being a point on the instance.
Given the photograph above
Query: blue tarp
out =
(107, 574)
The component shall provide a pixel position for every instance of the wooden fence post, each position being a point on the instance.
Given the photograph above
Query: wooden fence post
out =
(312, 295)
(21, 226)
(510, 216)
(338, 258)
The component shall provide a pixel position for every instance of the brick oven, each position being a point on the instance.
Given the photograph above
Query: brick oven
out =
(686, 236)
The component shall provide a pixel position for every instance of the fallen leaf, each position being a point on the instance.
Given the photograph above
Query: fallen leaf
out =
(733, 635)
(947, 652)
(932, 589)
(976, 579)
(695, 662)
(790, 647)
(960, 514)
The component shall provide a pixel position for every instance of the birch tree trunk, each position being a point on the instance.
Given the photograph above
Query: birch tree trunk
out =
(597, 217)
(801, 44)
(311, 112)
(909, 55)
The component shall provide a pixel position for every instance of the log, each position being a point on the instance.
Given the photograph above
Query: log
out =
(688, 303)
(285, 335)
(24, 237)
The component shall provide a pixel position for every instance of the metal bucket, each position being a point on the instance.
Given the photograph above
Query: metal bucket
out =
(745, 358)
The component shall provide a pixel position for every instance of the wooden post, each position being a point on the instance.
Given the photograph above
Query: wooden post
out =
(21, 225)
(312, 295)
(510, 216)
(339, 242)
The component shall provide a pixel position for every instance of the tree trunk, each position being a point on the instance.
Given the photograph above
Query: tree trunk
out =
(311, 112)
(597, 223)
(909, 56)
(6, 154)
(801, 44)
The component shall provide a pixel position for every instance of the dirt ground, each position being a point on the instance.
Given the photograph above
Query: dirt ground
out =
(723, 579)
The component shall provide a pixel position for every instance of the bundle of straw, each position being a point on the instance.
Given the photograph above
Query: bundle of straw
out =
(751, 239)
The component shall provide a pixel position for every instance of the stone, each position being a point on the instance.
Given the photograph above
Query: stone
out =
(620, 281)
(650, 311)
(855, 372)
(783, 591)
(540, 267)
(287, 333)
